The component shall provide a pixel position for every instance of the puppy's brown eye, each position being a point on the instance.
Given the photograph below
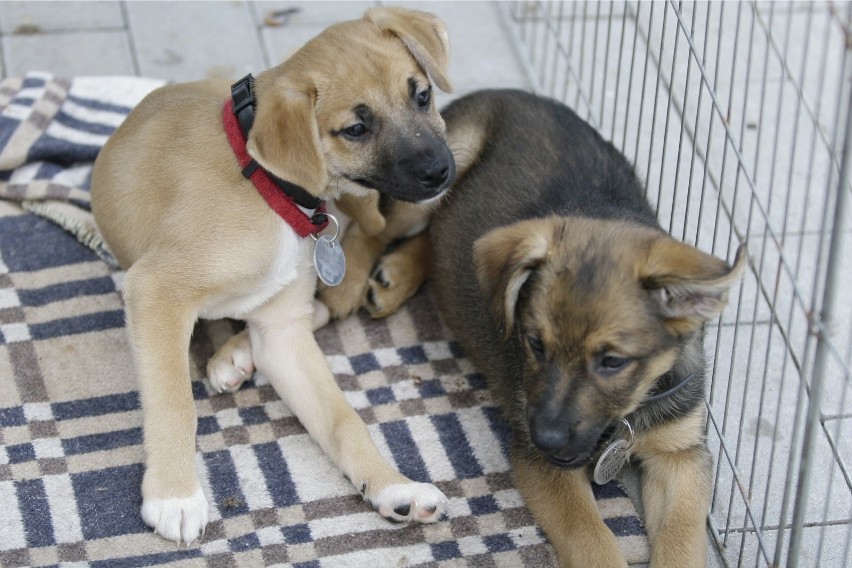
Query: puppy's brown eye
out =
(355, 131)
(535, 344)
(612, 364)
(424, 97)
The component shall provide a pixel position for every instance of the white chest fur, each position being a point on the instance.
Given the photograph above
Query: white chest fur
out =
(251, 292)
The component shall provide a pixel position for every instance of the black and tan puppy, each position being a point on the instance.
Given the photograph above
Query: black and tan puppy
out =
(183, 196)
(551, 270)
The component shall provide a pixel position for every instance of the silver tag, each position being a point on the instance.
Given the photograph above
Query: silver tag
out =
(611, 461)
(329, 261)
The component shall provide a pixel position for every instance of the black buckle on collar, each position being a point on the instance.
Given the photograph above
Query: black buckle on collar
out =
(242, 93)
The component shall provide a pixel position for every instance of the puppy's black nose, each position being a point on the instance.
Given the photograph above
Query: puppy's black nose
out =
(432, 174)
(548, 438)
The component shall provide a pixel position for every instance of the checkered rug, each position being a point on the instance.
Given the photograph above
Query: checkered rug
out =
(70, 422)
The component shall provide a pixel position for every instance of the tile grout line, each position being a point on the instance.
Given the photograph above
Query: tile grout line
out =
(131, 40)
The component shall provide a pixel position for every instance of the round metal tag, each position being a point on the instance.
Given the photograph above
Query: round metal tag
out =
(329, 261)
(611, 461)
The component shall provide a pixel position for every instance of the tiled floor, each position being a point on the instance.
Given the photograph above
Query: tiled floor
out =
(187, 41)
(183, 41)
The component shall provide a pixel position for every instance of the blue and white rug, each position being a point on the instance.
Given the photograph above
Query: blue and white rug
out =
(70, 424)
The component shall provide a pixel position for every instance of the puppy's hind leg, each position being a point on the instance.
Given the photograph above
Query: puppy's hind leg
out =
(160, 328)
(286, 352)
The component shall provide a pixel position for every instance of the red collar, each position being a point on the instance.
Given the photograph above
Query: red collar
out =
(275, 196)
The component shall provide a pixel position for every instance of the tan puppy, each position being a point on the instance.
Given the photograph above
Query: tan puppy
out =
(549, 267)
(349, 112)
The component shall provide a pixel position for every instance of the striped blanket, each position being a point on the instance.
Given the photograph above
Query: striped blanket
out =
(70, 422)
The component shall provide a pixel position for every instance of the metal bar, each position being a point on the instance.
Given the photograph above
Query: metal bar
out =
(694, 138)
(605, 65)
(656, 98)
(668, 109)
(682, 117)
(558, 43)
(779, 547)
(830, 302)
(511, 25)
(616, 98)
(644, 79)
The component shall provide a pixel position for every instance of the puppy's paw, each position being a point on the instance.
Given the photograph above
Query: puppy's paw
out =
(321, 315)
(175, 518)
(345, 298)
(421, 502)
(392, 282)
(232, 364)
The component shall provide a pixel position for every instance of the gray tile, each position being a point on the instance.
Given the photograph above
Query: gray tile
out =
(823, 546)
(754, 401)
(187, 41)
(839, 433)
(32, 17)
(281, 42)
(481, 54)
(69, 54)
(313, 12)
(309, 19)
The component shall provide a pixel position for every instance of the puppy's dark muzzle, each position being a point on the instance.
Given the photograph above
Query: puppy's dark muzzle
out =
(432, 174)
(433, 170)
(421, 176)
(568, 447)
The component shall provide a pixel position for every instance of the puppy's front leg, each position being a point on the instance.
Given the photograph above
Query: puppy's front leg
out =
(286, 352)
(362, 250)
(399, 275)
(676, 489)
(564, 506)
(160, 327)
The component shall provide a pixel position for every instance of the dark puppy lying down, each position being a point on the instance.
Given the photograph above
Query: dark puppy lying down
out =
(551, 270)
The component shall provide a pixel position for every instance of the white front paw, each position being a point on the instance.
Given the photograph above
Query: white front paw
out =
(232, 364)
(177, 519)
(422, 502)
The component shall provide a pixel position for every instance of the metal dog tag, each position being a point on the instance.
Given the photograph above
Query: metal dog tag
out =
(611, 461)
(329, 261)
(614, 456)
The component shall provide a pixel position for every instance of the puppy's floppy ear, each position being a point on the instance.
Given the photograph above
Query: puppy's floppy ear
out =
(689, 287)
(505, 258)
(285, 138)
(425, 36)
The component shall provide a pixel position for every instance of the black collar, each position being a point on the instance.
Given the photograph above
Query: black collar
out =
(665, 394)
(242, 93)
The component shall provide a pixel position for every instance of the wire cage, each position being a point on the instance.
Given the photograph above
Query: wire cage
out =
(737, 118)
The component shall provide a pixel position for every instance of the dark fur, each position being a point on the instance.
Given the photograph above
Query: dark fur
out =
(568, 169)
(537, 160)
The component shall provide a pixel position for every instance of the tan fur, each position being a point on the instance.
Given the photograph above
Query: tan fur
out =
(393, 278)
(676, 490)
(564, 506)
(199, 241)
(363, 247)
